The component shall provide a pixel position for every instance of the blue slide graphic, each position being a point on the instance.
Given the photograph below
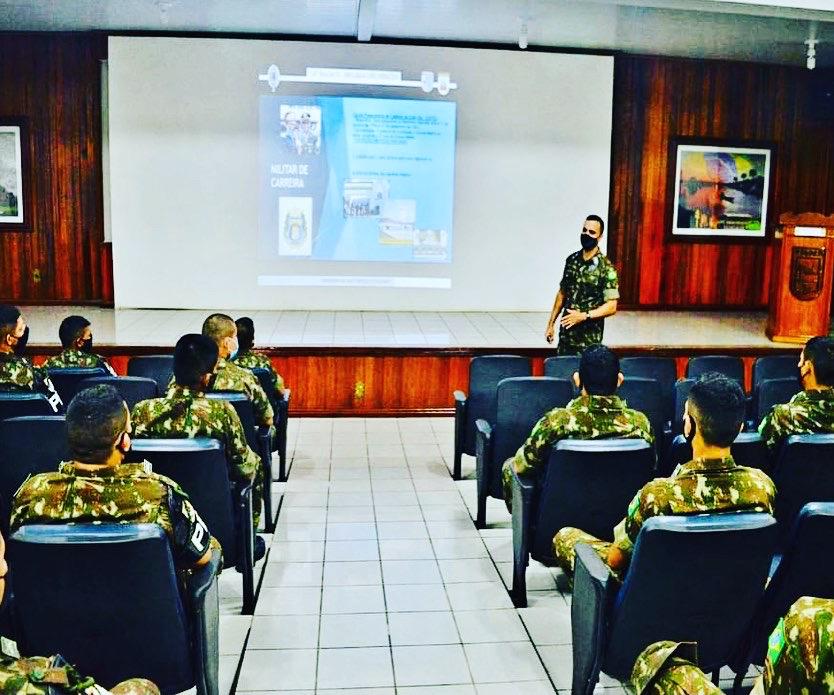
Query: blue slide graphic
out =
(357, 179)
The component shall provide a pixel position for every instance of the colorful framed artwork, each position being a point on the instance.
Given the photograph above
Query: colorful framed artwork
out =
(15, 192)
(720, 190)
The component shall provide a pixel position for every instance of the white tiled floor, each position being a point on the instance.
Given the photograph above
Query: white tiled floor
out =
(377, 581)
(136, 327)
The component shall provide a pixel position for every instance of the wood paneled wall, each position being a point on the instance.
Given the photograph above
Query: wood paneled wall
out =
(53, 80)
(657, 98)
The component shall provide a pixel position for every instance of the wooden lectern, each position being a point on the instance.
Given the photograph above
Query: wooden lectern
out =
(800, 285)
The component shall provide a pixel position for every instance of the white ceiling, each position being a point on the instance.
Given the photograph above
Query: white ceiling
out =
(755, 30)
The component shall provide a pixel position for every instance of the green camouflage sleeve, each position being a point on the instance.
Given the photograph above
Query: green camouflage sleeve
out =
(546, 432)
(625, 533)
(781, 421)
(610, 284)
(565, 281)
(260, 403)
(243, 459)
(139, 419)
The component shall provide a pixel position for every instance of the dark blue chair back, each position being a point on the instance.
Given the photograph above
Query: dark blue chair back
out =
(160, 368)
(67, 379)
(243, 407)
(682, 389)
(521, 402)
(772, 392)
(484, 374)
(661, 369)
(695, 579)
(731, 367)
(105, 597)
(803, 472)
(265, 379)
(132, 388)
(561, 366)
(775, 367)
(646, 395)
(28, 445)
(748, 450)
(588, 484)
(22, 403)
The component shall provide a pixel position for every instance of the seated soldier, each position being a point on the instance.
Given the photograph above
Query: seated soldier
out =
(40, 675)
(812, 410)
(247, 358)
(228, 376)
(16, 374)
(711, 482)
(800, 658)
(183, 412)
(598, 413)
(95, 486)
(77, 340)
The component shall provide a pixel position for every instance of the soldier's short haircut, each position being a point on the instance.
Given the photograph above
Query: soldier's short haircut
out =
(599, 368)
(95, 418)
(717, 404)
(245, 333)
(71, 329)
(597, 218)
(819, 351)
(219, 326)
(8, 319)
(195, 356)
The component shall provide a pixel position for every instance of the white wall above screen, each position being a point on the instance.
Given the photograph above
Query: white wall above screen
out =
(533, 157)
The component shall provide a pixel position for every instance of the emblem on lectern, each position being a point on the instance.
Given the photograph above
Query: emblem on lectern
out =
(807, 272)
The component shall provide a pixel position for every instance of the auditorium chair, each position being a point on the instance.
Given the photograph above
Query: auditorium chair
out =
(132, 389)
(259, 439)
(775, 367)
(22, 403)
(671, 591)
(108, 599)
(748, 449)
(28, 445)
(588, 484)
(484, 374)
(731, 367)
(281, 408)
(682, 389)
(646, 395)
(661, 369)
(160, 368)
(520, 403)
(805, 569)
(199, 467)
(771, 392)
(803, 472)
(66, 380)
(561, 367)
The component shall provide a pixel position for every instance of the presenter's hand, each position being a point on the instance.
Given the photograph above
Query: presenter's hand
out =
(571, 318)
(549, 333)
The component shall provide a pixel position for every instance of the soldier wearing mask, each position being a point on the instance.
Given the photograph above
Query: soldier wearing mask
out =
(77, 340)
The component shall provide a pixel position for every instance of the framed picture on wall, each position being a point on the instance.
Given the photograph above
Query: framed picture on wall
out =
(15, 193)
(719, 190)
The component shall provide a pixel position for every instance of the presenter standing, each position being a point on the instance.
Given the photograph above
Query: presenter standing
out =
(588, 292)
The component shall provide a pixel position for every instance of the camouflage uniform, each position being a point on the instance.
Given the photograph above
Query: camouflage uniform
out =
(185, 413)
(254, 360)
(75, 359)
(670, 668)
(35, 675)
(808, 412)
(16, 374)
(127, 494)
(585, 417)
(230, 377)
(586, 285)
(697, 487)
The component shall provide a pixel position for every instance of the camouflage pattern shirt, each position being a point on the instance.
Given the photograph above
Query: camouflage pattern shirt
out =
(254, 360)
(586, 285)
(72, 358)
(128, 494)
(16, 374)
(230, 377)
(585, 417)
(184, 413)
(671, 668)
(808, 412)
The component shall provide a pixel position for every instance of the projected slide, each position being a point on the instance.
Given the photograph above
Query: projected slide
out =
(356, 179)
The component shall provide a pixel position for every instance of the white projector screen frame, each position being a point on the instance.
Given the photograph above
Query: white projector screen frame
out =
(533, 158)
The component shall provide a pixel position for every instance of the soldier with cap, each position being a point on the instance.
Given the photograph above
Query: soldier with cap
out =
(247, 358)
(810, 411)
(711, 482)
(77, 340)
(588, 292)
(598, 413)
(16, 373)
(184, 412)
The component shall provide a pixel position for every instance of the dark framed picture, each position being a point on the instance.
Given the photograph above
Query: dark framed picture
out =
(15, 176)
(720, 190)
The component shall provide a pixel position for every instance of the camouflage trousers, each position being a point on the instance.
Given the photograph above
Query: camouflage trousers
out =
(507, 483)
(682, 679)
(564, 547)
(572, 341)
(34, 676)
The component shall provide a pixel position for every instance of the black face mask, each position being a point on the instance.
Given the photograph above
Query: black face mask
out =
(87, 346)
(588, 242)
(20, 346)
(691, 435)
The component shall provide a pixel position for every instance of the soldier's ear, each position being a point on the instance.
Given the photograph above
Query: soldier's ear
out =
(620, 379)
(576, 380)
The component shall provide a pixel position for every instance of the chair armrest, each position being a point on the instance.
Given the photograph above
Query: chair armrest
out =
(200, 578)
(205, 620)
(246, 534)
(483, 453)
(593, 593)
(460, 433)
(524, 490)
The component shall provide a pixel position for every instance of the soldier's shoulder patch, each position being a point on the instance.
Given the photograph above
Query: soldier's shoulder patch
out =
(776, 642)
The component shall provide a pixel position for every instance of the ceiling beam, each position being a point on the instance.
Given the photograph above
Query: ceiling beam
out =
(365, 20)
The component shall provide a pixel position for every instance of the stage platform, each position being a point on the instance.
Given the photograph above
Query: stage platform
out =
(401, 363)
